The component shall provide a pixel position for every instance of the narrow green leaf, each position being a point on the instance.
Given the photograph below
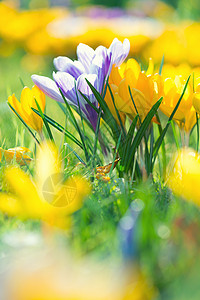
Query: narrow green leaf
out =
(44, 120)
(115, 155)
(88, 101)
(161, 65)
(117, 112)
(79, 158)
(96, 140)
(60, 128)
(30, 131)
(128, 142)
(141, 132)
(74, 122)
(175, 134)
(197, 132)
(107, 115)
(22, 83)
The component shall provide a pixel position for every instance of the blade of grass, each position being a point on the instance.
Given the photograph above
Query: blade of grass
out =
(30, 131)
(115, 155)
(88, 101)
(74, 122)
(61, 129)
(107, 115)
(141, 133)
(117, 112)
(197, 132)
(128, 141)
(161, 65)
(174, 134)
(45, 122)
(79, 158)
(147, 156)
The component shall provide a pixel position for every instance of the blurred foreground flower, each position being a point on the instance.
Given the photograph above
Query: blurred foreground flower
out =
(93, 65)
(54, 275)
(144, 88)
(184, 176)
(27, 101)
(17, 153)
(50, 198)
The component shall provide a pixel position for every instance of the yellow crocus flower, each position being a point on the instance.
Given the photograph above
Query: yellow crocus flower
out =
(17, 153)
(185, 115)
(50, 197)
(144, 86)
(27, 101)
(184, 176)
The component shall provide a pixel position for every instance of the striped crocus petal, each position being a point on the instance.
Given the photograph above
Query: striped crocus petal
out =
(65, 64)
(85, 55)
(84, 88)
(66, 83)
(47, 86)
(101, 66)
(119, 51)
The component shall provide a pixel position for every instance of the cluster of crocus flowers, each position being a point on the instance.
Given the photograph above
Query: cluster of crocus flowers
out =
(93, 65)
(50, 197)
(18, 154)
(134, 90)
(184, 175)
(29, 99)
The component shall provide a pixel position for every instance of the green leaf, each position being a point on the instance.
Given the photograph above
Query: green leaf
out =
(60, 128)
(115, 155)
(161, 65)
(107, 115)
(117, 112)
(128, 142)
(141, 133)
(88, 101)
(30, 131)
(44, 120)
(197, 117)
(96, 140)
(79, 158)
(77, 127)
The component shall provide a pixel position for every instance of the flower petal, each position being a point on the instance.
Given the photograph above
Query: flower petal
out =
(47, 86)
(119, 51)
(84, 87)
(66, 83)
(85, 55)
(64, 64)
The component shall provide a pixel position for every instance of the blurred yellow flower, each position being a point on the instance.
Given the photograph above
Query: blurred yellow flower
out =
(87, 279)
(144, 86)
(17, 153)
(184, 176)
(50, 198)
(27, 101)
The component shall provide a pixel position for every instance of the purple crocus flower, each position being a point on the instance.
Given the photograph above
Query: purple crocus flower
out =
(93, 65)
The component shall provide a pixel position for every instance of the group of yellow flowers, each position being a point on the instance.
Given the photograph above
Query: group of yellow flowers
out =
(129, 83)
